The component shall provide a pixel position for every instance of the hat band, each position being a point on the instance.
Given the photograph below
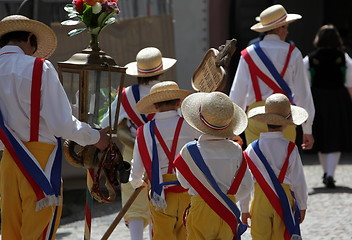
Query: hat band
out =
(209, 124)
(288, 116)
(281, 19)
(150, 70)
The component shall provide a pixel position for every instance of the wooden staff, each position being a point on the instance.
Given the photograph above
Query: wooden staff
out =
(122, 213)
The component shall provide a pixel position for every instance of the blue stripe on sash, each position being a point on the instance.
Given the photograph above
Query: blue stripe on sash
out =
(292, 227)
(29, 165)
(273, 71)
(155, 184)
(137, 97)
(198, 159)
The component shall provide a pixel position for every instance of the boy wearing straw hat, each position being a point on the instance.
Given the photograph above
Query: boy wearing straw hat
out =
(148, 67)
(273, 66)
(157, 143)
(34, 114)
(213, 168)
(280, 191)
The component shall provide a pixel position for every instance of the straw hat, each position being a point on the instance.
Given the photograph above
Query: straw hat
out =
(160, 92)
(46, 37)
(214, 113)
(149, 62)
(274, 17)
(279, 111)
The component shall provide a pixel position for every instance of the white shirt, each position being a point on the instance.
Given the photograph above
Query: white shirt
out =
(274, 147)
(144, 90)
(223, 158)
(56, 118)
(348, 82)
(166, 123)
(242, 92)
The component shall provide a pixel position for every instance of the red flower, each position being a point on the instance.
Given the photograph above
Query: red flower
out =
(79, 6)
(91, 2)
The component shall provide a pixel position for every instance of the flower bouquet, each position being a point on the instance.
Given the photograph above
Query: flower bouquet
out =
(95, 14)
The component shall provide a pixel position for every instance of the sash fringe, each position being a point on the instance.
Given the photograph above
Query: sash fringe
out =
(159, 202)
(47, 202)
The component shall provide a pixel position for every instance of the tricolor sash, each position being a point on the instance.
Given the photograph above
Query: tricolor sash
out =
(46, 184)
(276, 194)
(196, 172)
(260, 66)
(150, 160)
(130, 97)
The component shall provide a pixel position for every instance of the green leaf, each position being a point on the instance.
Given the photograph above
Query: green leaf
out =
(87, 15)
(75, 31)
(70, 22)
(101, 18)
(69, 8)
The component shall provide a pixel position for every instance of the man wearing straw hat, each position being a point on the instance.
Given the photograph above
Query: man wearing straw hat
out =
(212, 168)
(273, 66)
(157, 143)
(280, 191)
(148, 68)
(34, 115)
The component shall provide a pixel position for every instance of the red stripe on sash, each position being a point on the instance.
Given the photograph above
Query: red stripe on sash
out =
(268, 191)
(255, 72)
(283, 171)
(238, 179)
(38, 191)
(207, 196)
(129, 110)
(143, 151)
(35, 99)
(290, 49)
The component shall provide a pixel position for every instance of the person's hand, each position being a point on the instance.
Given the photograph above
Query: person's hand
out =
(302, 214)
(308, 141)
(245, 217)
(104, 139)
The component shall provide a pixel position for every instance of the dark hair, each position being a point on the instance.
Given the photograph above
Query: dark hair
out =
(172, 102)
(18, 36)
(328, 37)
(273, 126)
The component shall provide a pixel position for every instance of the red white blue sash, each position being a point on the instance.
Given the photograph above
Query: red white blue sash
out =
(149, 155)
(261, 66)
(46, 184)
(193, 168)
(273, 189)
(130, 97)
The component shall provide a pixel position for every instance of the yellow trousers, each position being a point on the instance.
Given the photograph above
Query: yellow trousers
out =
(168, 224)
(203, 223)
(266, 223)
(140, 206)
(19, 220)
(254, 128)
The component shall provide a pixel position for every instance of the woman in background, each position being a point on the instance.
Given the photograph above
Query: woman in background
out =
(330, 72)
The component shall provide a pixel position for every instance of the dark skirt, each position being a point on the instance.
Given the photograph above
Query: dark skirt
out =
(332, 126)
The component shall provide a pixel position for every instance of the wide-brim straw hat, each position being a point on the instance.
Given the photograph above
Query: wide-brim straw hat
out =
(46, 37)
(274, 17)
(161, 92)
(149, 62)
(214, 114)
(279, 111)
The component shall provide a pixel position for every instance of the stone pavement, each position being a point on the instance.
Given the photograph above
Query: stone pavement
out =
(329, 213)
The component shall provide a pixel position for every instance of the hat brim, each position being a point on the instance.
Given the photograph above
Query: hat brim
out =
(146, 104)
(258, 27)
(46, 37)
(298, 116)
(190, 111)
(132, 68)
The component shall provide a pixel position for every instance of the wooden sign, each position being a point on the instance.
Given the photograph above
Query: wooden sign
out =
(210, 75)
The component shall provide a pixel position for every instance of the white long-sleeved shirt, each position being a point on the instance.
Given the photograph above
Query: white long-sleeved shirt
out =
(274, 147)
(144, 90)
(223, 158)
(242, 92)
(56, 118)
(348, 76)
(166, 123)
